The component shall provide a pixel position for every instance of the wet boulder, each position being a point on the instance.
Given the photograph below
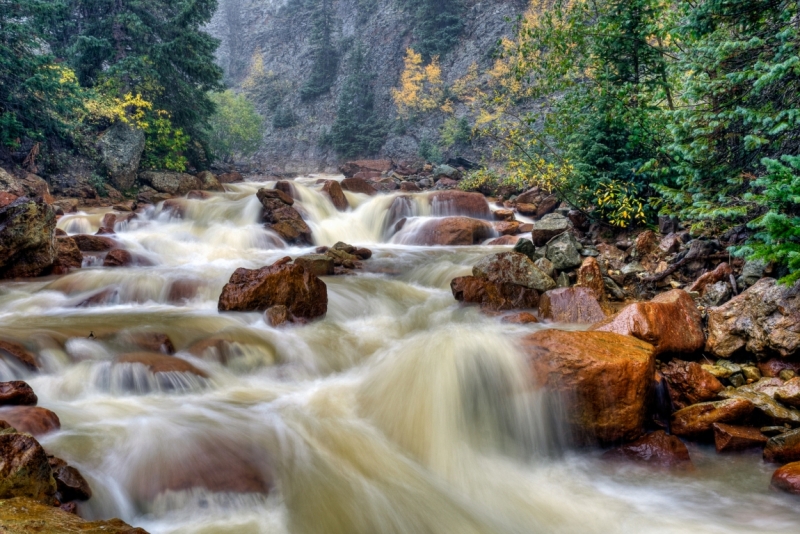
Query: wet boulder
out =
(513, 268)
(789, 392)
(697, 420)
(571, 305)
(27, 238)
(230, 177)
(121, 148)
(16, 353)
(317, 264)
(171, 183)
(70, 484)
(25, 516)
(787, 478)
(209, 182)
(602, 381)
(737, 438)
(157, 363)
(451, 231)
(688, 383)
(657, 449)
(760, 395)
(17, 393)
(290, 285)
(24, 469)
(670, 322)
(451, 202)
(358, 185)
(520, 318)
(762, 320)
(506, 227)
(68, 255)
(720, 273)
(118, 258)
(34, 420)
(526, 246)
(548, 227)
(590, 276)
(376, 166)
(564, 251)
(282, 218)
(493, 296)
(334, 191)
(93, 243)
(783, 448)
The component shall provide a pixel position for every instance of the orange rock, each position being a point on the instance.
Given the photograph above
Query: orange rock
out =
(689, 383)
(493, 296)
(15, 351)
(93, 243)
(504, 240)
(34, 420)
(570, 305)
(602, 379)
(736, 438)
(448, 203)
(696, 420)
(160, 363)
(646, 242)
(449, 231)
(787, 478)
(520, 318)
(670, 322)
(333, 189)
(783, 447)
(68, 255)
(118, 258)
(358, 185)
(590, 276)
(506, 227)
(722, 272)
(658, 449)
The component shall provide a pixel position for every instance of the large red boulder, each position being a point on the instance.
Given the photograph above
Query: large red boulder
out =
(448, 203)
(493, 296)
(571, 305)
(602, 380)
(17, 393)
(358, 185)
(450, 231)
(284, 284)
(787, 478)
(670, 322)
(31, 419)
(334, 191)
(27, 238)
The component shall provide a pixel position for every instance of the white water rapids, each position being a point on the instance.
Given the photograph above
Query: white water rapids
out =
(400, 412)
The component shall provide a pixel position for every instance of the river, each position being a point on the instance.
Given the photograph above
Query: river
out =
(400, 412)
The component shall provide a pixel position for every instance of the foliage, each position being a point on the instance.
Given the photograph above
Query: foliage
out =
(421, 87)
(429, 151)
(165, 144)
(236, 127)
(357, 130)
(455, 131)
(284, 117)
(325, 57)
(264, 87)
(437, 25)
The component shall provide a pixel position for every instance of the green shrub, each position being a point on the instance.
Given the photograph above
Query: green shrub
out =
(236, 129)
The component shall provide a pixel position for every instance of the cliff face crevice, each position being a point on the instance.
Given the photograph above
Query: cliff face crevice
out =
(278, 40)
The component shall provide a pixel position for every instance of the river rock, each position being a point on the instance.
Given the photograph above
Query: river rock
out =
(591, 276)
(512, 268)
(68, 255)
(526, 246)
(762, 320)
(772, 367)
(564, 251)
(12, 351)
(358, 185)
(27, 238)
(760, 397)
(506, 227)
(452, 231)
(17, 393)
(657, 448)
(670, 322)
(688, 383)
(670, 244)
(27, 516)
(70, 484)
(717, 294)
(789, 393)
(547, 228)
(752, 272)
(34, 420)
(493, 296)
(602, 379)
(520, 318)
(290, 285)
(288, 188)
(503, 214)
(93, 243)
(156, 363)
(449, 203)
(334, 191)
(317, 264)
(696, 421)
(282, 218)
(172, 183)
(118, 258)
(737, 438)
(149, 341)
(783, 447)
(121, 148)
(377, 166)
(721, 272)
(24, 469)
(209, 182)
(546, 267)
(787, 478)
(570, 305)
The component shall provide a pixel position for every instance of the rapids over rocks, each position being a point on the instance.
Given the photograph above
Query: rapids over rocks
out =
(402, 411)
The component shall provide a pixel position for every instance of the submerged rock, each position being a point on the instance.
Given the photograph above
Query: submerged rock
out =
(670, 322)
(27, 238)
(571, 305)
(17, 353)
(762, 320)
(658, 449)
(156, 363)
(290, 285)
(602, 380)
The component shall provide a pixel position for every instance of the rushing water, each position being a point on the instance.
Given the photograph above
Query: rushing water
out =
(399, 412)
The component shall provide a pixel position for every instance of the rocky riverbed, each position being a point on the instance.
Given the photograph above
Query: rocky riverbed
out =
(380, 352)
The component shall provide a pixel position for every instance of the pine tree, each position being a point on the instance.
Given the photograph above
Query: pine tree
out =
(358, 130)
(437, 25)
(325, 57)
